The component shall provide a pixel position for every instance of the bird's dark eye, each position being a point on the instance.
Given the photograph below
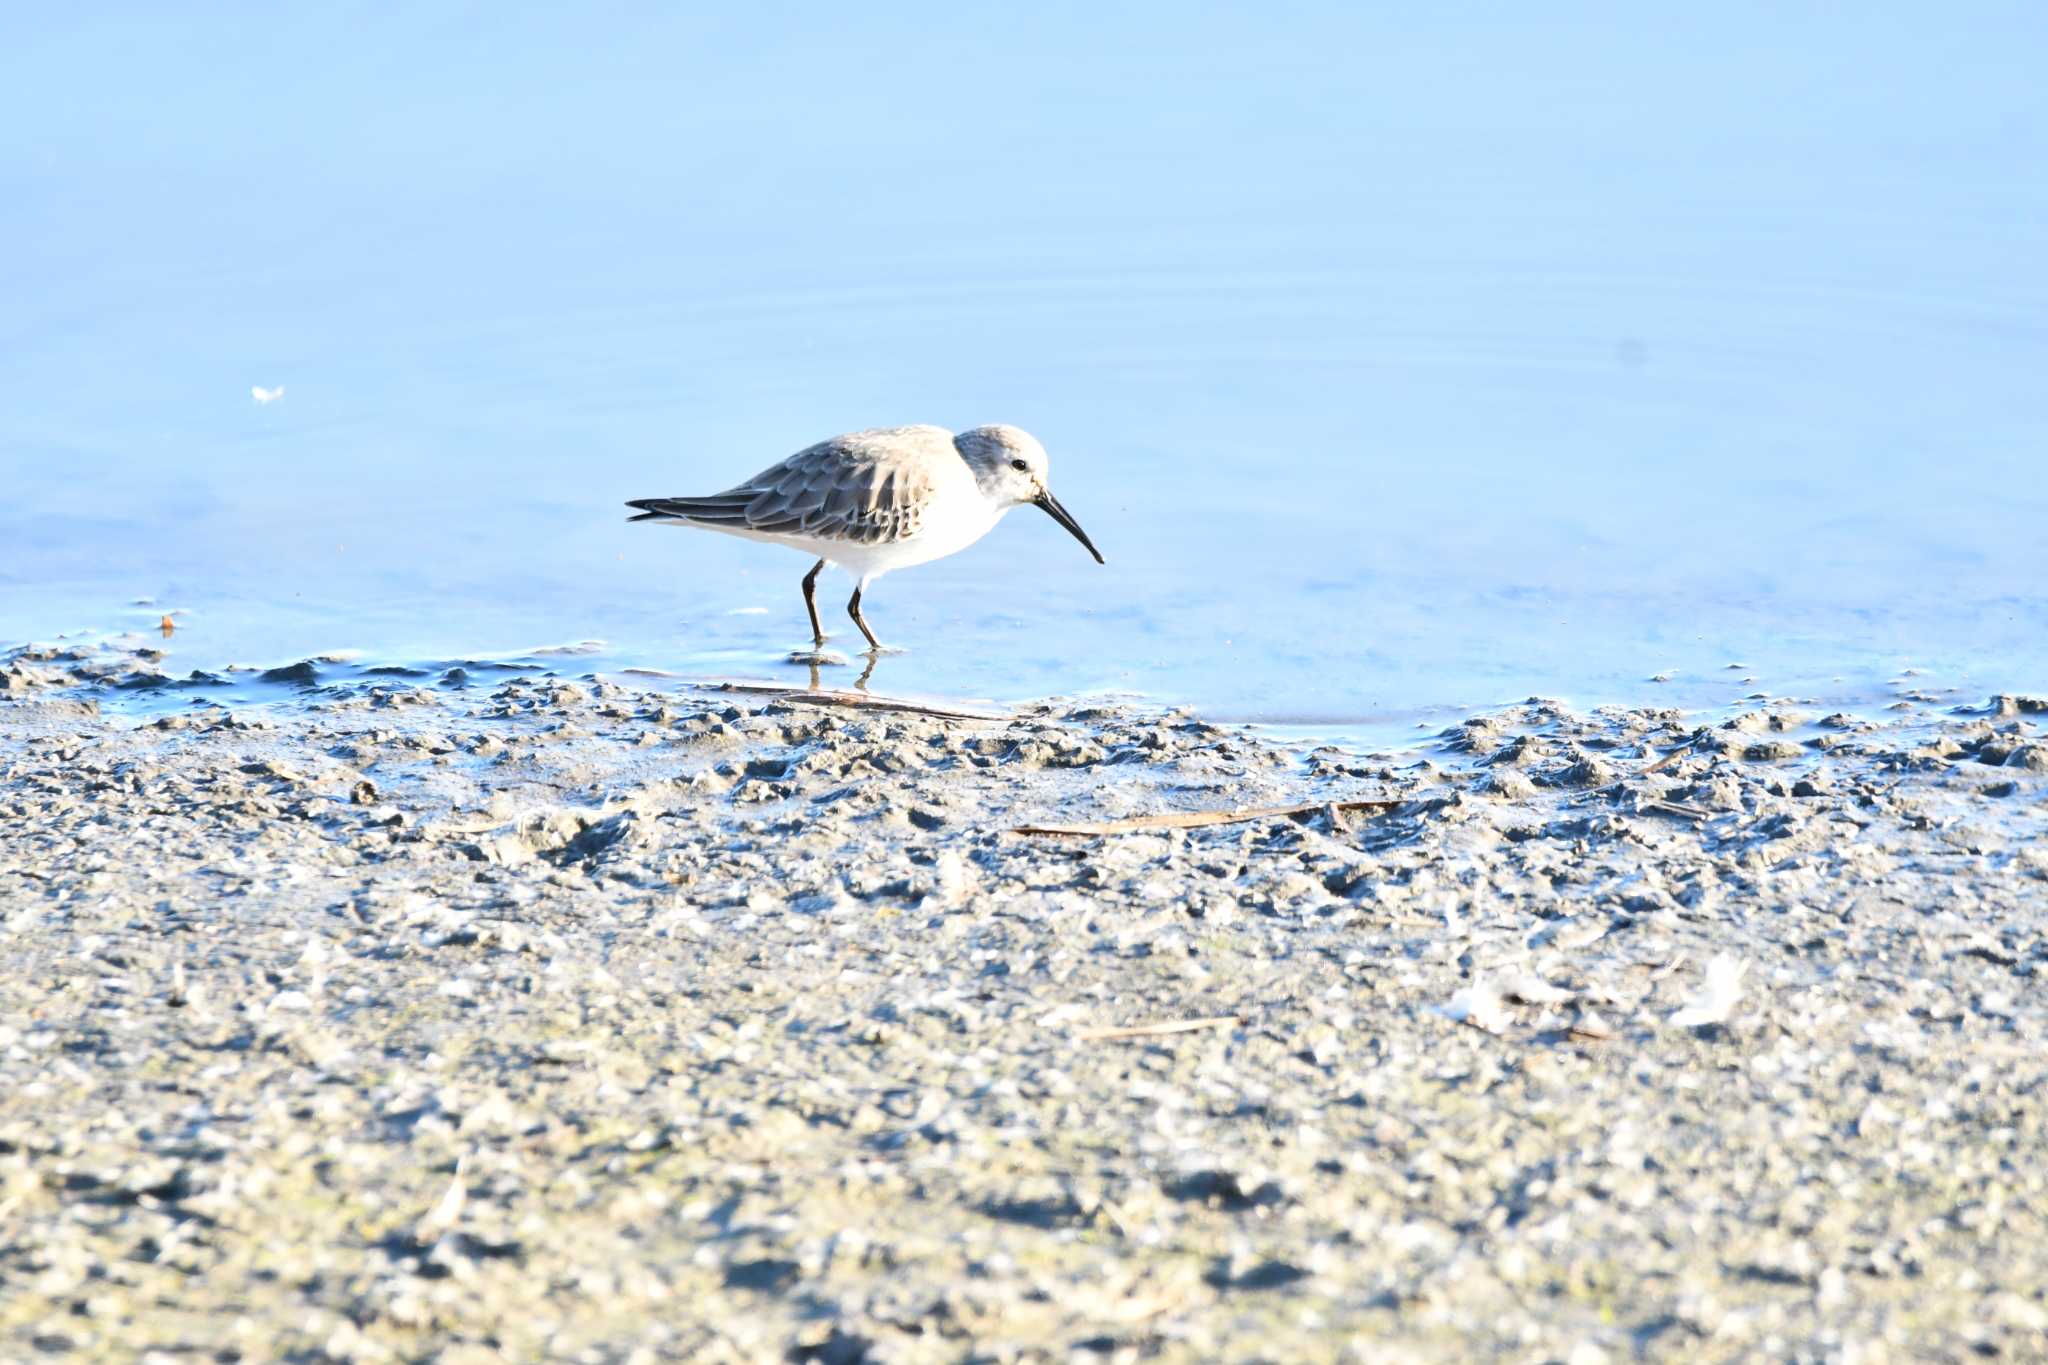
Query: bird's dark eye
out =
(1019, 466)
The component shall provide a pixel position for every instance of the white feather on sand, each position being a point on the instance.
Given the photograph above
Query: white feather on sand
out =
(1478, 1005)
(1718, 994)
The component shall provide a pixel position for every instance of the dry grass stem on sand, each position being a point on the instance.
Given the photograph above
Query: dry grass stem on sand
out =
(1098, 1035)
(1196, 819)
(862, 700)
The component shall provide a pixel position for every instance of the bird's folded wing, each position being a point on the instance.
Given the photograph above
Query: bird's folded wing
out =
(842, 491)
(866, 487)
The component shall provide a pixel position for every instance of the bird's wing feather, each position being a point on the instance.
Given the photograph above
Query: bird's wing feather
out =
(866, 487)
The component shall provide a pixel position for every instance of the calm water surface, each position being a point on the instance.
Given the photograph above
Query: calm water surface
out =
(1394, 364)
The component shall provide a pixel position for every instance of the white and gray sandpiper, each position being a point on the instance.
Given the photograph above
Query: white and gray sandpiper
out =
(877, 500)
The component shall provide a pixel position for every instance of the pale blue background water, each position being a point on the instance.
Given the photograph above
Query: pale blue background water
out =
(1393, 359)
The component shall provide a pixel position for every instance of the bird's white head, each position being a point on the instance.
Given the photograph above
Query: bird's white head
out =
(1008, 463)
(1010, 466)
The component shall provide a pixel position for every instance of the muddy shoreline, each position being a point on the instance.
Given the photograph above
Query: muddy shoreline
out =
(551, 1016)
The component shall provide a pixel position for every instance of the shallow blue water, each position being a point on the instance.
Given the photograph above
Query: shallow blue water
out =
(1394, 362)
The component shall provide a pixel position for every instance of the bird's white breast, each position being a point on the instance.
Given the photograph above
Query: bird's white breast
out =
(958, 516)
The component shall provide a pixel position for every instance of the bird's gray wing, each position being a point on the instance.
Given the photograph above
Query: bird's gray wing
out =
(864, 488)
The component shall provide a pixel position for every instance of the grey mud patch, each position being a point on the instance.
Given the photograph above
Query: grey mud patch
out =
(552, 1018)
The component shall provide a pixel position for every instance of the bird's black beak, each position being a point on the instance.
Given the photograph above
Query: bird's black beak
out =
(1060, 514)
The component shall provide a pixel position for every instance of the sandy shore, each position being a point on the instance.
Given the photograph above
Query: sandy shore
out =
(552, 1018)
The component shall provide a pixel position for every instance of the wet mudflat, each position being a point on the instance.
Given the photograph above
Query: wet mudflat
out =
(547, 1016)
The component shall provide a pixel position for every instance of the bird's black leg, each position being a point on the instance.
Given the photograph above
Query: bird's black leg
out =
(853, 610)
(811, 603)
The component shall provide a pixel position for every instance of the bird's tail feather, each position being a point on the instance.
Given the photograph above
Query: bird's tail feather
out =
(713, 511)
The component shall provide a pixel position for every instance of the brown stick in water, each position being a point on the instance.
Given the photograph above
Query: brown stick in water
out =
(864, 700)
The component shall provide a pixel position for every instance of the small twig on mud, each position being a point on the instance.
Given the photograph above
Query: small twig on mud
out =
(1195, 819)
(1096, 1035)
(1680, 752)
(863, 700)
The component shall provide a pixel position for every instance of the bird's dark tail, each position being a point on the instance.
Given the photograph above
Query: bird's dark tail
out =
(650, 509)
(722, 510)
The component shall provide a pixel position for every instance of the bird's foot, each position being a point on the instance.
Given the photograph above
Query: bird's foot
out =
(818, 657)
(878, 650)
